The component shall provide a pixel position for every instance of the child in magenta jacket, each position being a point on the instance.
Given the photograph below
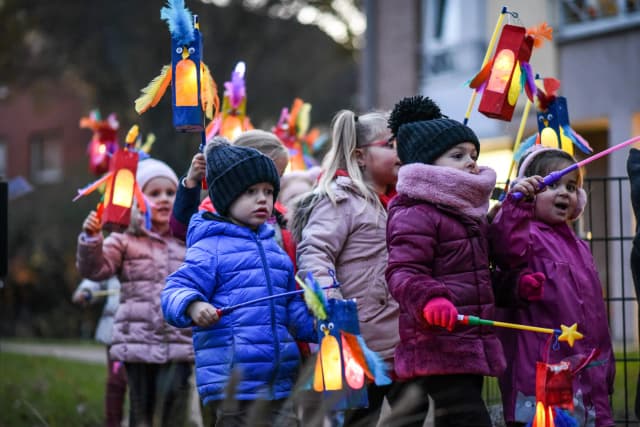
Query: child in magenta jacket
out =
(439, 262)
(535, 234)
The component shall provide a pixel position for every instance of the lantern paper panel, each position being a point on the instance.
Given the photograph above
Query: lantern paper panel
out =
(118, 197)
(338, 375)
(185, 90)
(504, 83)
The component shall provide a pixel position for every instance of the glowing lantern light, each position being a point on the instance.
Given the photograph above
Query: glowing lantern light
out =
(503, 88)
(118, 197)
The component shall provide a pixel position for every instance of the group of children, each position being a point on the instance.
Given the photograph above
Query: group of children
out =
(398, 216)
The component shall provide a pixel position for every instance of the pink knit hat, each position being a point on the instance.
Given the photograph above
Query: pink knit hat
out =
(528, 157)
(151, 168)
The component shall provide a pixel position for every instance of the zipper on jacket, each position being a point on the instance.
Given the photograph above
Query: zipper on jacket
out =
(274, 331)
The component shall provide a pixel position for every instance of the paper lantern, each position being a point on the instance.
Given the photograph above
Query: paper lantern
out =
(339, 374)
(503, 86)
(193, 90)
(119, 194)
(104, 141)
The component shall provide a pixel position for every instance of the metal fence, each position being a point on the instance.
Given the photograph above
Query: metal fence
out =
(608, 225)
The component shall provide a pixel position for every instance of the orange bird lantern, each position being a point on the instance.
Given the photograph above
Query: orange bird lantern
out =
(504, 84)
(121, 187)
(344, 362)
(118, 197)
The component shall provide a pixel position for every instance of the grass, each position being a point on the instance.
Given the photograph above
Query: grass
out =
(40, 390)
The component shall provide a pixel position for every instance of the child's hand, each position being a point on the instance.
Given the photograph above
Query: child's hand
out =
(196, 171)
(81, 296)
(92, 225)
(202, 313)
(440, 312)
(529, 186)
(530, 286)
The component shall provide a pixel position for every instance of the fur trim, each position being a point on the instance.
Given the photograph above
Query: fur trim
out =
(468, 193)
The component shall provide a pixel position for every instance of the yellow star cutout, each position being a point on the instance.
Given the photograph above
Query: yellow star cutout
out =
(570, 334)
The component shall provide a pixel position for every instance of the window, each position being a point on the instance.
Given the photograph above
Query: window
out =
(584, 18)
(452, 37)
(46, 156)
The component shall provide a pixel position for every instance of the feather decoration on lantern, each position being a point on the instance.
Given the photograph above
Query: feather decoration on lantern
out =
(193, 89)
(233, 116)
(114, 208)
(104, 141)
(293, 130)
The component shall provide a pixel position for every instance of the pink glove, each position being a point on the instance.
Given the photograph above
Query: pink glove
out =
(530, 286)
(440, 312)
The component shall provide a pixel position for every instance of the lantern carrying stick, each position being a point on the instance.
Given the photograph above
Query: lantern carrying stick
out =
(555, 176)
(516, 144)
(492, 43)
(569, 334)
(226, 310)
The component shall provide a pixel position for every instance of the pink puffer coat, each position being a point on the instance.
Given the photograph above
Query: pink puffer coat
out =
(142, 263)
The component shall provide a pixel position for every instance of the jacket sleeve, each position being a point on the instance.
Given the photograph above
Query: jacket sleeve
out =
(301, 322)
(322, 240)
(193, 281)
(633, 170)
(510, 236)
(411, 241)
(185, 205)
(97, 258)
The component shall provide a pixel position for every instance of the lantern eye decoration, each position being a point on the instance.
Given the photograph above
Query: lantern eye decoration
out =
(192, 50)
(179, 50)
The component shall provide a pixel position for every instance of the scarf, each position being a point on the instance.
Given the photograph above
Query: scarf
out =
(453, 188)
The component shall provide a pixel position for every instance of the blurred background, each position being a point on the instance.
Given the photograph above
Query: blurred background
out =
(59, 60)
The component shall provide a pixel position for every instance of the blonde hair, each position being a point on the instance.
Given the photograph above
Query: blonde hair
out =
(348, 133)
(265, 142)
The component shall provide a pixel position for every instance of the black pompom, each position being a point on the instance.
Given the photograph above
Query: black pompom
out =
(413, 109)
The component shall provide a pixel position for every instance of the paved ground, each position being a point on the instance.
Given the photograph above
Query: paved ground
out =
(73, 352)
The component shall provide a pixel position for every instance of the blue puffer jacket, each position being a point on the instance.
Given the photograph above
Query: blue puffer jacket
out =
(227, 264)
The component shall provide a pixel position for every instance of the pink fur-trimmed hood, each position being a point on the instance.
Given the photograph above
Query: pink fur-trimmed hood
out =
(447, 186)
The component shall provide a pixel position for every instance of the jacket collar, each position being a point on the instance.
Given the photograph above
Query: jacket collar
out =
(455, 189)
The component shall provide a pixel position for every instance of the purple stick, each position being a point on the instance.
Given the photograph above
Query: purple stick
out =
(555, 176)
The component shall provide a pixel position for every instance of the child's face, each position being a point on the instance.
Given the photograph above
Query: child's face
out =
(254, 206)
(559, 201)
(381, 163)
(161, 193)
(462, 157)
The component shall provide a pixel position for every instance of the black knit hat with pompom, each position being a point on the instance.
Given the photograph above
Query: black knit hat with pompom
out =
(423, 133)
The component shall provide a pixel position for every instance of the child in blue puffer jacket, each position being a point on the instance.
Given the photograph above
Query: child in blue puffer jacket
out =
(248, 355)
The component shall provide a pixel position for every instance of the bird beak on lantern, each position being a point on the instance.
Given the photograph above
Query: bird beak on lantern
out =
(185, 52)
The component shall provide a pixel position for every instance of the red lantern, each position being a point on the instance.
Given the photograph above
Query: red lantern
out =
(503, 87)
(118, 197)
